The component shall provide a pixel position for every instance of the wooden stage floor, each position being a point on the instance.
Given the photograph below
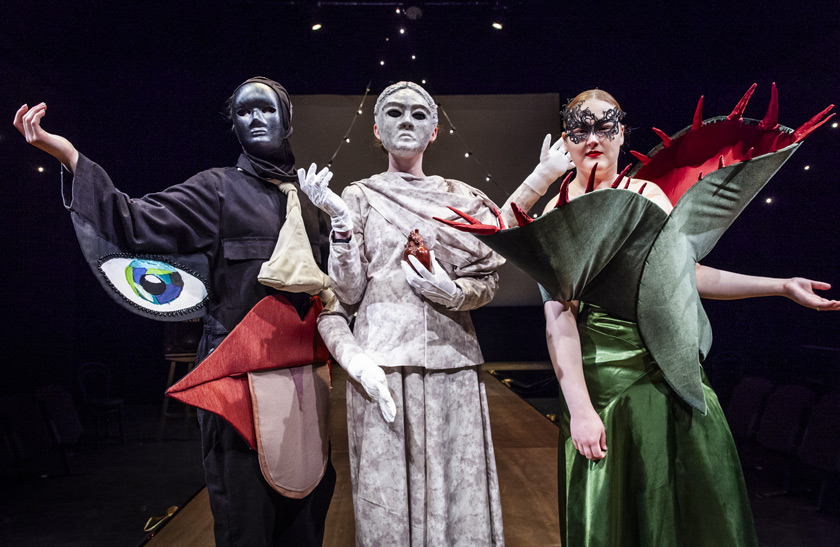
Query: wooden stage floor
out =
(526, 457)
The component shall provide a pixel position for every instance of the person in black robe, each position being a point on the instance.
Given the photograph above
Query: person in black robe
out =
(229, 218)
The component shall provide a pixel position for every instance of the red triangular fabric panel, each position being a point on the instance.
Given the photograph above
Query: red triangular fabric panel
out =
(271, 336)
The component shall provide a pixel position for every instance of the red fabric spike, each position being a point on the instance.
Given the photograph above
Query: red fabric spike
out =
(627, 184)
(563, 198)
(700, 176)
(502, 224)
(642, 189)
(749, 154)
(742, 104)
(521, 216)
(641, 157)
(811, 125)
(666, 140)
(590, 185)
(473, 226)
(271, 336)
(721, 163)
(698, 115)
(771, 119)
(620, 176)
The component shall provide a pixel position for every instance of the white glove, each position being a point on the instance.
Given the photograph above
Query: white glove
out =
(554, 162)
(364, 370)
(436, 286)
(314, 185)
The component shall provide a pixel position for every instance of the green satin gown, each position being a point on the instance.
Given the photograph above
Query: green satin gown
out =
(671, 477)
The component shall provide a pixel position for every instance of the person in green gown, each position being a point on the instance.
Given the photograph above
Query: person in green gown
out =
(639, 466)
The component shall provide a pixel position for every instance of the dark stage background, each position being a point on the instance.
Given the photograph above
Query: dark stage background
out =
(138, 87)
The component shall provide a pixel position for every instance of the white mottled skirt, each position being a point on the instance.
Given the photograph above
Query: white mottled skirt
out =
(428, 478)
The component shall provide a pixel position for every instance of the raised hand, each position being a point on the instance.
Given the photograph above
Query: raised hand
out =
(554, 162)
(28, 122)
(315, 184)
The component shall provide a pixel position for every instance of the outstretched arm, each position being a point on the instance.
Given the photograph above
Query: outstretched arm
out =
(28, 122)
(723, 285)
(587, 429)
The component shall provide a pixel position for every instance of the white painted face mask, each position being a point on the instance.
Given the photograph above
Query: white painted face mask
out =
(405, 119)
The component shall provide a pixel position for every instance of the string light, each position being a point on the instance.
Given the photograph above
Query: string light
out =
(768, 200)
(402, 31)
(807, 167)
(346, 138)
(834, 125)
(40, 169)
(468, 154)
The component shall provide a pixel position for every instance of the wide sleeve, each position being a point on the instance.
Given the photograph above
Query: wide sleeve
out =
(347, 264)
(181, 219)
(478, 290)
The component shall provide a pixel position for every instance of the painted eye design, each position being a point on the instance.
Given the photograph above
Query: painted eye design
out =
(155, 282)
(154, 285)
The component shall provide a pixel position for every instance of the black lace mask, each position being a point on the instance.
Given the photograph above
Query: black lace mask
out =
(580, 123)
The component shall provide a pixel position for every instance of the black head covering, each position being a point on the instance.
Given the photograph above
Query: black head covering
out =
(281, 167)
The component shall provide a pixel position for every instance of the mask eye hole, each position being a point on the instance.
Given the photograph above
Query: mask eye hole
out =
(394, 113)
(419, 116)
(156, 286)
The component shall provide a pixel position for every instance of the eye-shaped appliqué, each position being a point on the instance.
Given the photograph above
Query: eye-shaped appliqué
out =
(154, 285)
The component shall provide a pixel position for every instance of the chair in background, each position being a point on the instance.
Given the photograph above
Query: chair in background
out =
(60, 413)
(781, 426)
(820, 446)
(27, 436)
(179, 348)
(95, 388)
(744, 410)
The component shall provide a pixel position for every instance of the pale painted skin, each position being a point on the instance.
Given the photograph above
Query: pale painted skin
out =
(601, 154)
(406, 127)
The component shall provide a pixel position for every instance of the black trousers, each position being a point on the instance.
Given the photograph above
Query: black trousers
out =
(246, 510)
